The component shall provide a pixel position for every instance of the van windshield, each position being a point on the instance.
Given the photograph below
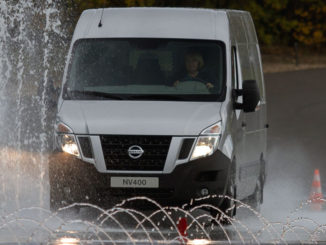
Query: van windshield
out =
(146, 69)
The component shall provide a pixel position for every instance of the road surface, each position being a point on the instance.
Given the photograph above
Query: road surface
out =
(297, 118)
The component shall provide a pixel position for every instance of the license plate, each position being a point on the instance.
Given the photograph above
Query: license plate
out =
(134, 182)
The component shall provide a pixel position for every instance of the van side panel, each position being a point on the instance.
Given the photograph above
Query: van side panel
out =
(253, 143)
(257, 121)
(237, 36)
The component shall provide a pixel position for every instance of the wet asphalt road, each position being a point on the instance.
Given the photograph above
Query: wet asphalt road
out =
(296, 137)
(297, 118)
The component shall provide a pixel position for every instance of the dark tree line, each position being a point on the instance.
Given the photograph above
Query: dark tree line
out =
(278, 22)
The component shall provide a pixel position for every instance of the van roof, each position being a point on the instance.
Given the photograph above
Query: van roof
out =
(189, 23)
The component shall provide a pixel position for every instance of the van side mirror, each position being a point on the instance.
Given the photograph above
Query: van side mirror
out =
(251, 97)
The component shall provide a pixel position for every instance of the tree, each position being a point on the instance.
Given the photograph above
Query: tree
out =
(280, 22)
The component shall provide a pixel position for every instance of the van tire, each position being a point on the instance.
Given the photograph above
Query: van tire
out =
(228, 201)
(57, 196)
(262, 177)
(262, 171)
(256, 199)
(58, 199)
(56, 193)
(225, 210)
(60, 178)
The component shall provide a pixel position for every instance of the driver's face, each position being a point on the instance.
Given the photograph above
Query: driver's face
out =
(192, 64)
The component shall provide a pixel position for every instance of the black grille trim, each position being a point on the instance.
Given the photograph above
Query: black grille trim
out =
(115, 151)
(186, 148)
(86, 146)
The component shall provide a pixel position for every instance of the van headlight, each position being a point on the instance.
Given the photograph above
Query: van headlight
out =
(66, 139)
(207, 142)
(68, 144)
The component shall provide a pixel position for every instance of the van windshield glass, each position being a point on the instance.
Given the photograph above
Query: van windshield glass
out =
(146, 69)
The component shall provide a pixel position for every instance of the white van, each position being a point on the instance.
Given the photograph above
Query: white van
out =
(167, 103)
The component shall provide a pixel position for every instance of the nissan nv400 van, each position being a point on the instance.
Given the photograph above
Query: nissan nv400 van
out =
(167, 103)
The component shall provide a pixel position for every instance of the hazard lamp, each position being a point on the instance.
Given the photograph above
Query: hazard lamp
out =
(207, 142)
(66, 139)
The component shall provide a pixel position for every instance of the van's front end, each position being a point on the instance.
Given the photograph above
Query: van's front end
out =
(135, 118)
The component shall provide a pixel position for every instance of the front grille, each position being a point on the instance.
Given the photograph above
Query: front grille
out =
(148, 192)
(115, 150)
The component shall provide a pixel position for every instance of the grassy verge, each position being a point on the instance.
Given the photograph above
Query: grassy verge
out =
(278, 59)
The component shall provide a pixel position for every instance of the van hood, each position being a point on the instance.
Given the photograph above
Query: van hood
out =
(139, 117)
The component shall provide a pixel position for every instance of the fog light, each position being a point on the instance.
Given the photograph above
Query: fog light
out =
(204, 192)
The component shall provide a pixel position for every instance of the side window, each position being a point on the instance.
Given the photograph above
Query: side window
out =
(235, 76)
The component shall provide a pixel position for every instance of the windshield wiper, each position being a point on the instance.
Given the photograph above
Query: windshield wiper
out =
(81, 93)
(158, 97)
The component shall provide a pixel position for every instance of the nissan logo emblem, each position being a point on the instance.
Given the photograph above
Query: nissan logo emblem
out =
(135, 151)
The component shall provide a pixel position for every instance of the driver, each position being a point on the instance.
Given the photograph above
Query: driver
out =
(194, 62)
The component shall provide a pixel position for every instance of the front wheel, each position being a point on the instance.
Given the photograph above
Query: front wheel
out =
(68, 181)
(60, 188)
(228, 206)
(256, 199)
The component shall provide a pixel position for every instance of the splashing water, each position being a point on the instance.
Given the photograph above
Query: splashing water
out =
(31, 64)
(157, 226)
(30, 36)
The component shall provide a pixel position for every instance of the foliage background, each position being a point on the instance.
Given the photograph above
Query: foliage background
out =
(278, 22)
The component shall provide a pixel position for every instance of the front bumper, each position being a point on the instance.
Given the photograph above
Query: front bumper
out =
(85, 184)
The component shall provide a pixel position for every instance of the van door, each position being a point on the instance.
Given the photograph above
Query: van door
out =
(253, 142)
(238, 126)
(252, 125)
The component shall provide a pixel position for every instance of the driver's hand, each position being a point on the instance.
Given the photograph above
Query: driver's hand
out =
(176, 83)
(209, 85)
